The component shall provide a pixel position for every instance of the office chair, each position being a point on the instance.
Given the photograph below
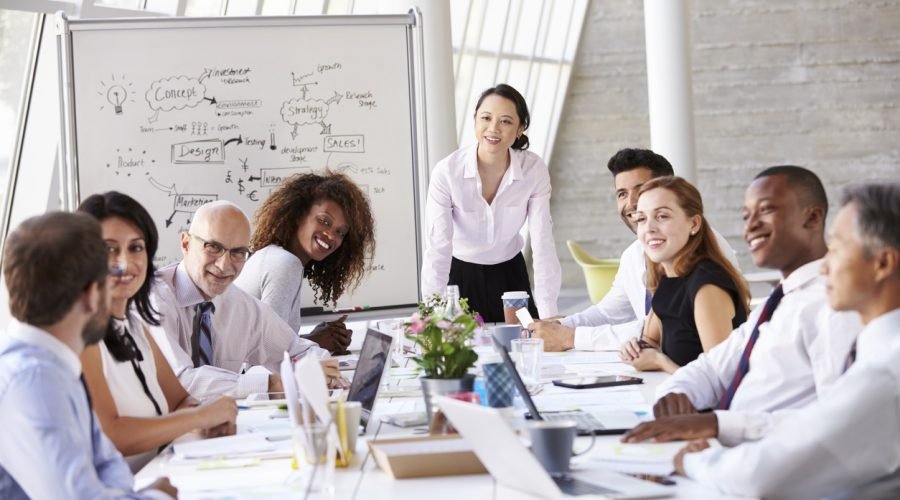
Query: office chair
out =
(598, 273)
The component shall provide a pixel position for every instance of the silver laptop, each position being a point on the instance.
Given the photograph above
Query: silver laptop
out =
(372, 364)
(512, 465)
(587, 422)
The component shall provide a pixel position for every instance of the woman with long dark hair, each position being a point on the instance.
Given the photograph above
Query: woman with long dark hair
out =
(138, 400)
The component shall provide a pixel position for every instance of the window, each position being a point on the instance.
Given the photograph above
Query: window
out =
(17, 44)
(529, 44)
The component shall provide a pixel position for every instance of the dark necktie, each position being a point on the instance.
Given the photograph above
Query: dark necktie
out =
(851, 357)
(201, 341)
(90, 403)
(744, 366)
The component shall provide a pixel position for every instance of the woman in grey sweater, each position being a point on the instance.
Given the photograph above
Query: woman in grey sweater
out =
(317, 226)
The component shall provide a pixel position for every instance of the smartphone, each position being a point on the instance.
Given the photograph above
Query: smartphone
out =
(653, 478)
(524, 317)
(591, 382)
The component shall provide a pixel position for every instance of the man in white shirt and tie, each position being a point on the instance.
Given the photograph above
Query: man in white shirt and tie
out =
(847, 444)
(788, 350)
(212, 331)
(619, 316)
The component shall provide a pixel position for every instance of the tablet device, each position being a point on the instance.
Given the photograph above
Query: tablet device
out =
(592, 382)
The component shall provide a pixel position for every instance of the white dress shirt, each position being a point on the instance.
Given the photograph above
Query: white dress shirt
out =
(244, 330)
(800, 352)
(460, 223)
(846, 444)
(620, 314)
(125, 387)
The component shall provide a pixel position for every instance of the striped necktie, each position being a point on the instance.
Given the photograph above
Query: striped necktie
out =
(744, 366)
(201, 341)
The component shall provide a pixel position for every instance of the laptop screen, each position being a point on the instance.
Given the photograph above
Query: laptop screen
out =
(520, 385)
(373, 357)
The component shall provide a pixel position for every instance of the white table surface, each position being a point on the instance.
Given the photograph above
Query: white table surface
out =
(363, 479)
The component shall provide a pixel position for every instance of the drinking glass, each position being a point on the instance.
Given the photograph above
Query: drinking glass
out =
(527, 353)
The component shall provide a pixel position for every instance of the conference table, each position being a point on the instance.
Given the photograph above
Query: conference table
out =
(363, 479)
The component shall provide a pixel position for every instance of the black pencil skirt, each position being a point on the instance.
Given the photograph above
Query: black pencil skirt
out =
(483, 285)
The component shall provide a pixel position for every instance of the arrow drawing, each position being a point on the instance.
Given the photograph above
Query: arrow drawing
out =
(171, 217)
(211, 100)
(252, 178)
(336, 98)
(170, 190)
(236, 139)
(326, 129)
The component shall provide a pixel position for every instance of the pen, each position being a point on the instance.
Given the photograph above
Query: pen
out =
(244, 367)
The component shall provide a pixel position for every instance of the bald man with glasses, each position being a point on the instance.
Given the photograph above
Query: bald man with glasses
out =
(218, 339)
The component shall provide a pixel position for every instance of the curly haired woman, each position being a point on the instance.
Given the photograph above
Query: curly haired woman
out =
(315, 225)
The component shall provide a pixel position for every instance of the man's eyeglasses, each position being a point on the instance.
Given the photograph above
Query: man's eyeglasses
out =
(216, 249)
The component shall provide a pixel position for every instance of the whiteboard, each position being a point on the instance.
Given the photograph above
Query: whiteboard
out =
(180, 112)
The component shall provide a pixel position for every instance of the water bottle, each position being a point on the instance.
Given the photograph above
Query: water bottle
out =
(452, 308)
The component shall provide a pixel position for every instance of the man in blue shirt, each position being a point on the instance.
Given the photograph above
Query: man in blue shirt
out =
(55, 268)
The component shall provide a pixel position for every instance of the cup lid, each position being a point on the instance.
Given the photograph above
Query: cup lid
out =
(551, 424)
(515, 295)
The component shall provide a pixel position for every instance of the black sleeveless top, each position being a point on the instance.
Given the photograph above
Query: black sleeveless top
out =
(673, 303)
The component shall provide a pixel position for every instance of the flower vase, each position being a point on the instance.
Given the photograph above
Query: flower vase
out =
(432, 387)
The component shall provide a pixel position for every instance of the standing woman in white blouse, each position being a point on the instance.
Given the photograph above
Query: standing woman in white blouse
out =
(140, 404)
(478, 200)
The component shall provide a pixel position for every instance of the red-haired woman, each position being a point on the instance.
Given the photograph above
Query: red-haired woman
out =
(698, 295)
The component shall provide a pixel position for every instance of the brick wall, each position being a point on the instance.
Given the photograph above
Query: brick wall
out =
(812, 83)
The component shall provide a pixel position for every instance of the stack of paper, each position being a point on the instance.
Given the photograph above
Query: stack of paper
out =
(228, 446)
(581, 357)
(645, 458)
(582, 399)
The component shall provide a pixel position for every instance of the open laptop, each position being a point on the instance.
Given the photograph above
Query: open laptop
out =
(512, 465)
(587, 422)
(372, 364)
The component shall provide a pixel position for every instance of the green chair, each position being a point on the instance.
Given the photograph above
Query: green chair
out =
(598, 273)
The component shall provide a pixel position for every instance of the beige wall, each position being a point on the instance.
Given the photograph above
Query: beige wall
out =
(807, 82)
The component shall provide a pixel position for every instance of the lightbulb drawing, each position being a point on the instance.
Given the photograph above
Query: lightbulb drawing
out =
(116, 96)
(116, 92)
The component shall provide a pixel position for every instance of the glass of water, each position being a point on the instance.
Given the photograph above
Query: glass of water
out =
(527, 353)
(394, 328)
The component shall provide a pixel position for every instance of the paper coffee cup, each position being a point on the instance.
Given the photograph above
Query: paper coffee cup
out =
(512, 301)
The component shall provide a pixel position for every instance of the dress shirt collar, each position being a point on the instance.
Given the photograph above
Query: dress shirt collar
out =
(35, 336)
(881, 332)
(186, 292)
(471, 164)
(801, 276)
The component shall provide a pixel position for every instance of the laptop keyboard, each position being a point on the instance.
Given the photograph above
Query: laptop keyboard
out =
(571, 486)
(584, 422)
